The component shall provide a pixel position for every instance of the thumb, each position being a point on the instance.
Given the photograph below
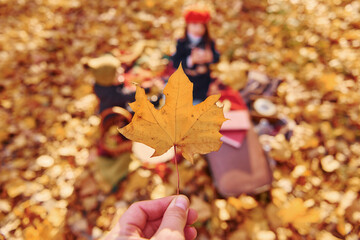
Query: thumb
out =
(174, 220)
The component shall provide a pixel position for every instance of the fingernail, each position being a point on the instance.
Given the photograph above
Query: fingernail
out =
(181, 202)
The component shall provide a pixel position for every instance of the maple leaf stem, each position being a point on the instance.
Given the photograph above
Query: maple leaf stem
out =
(177, 171)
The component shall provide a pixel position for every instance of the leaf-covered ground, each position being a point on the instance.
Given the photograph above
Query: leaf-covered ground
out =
(50, 187)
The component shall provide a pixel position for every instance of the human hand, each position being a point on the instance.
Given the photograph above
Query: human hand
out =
(208, 56)
(201, 56)
(197, 55)
(165, 218)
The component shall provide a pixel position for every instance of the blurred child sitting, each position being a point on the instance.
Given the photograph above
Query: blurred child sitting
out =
(109, 84)
(113, 150)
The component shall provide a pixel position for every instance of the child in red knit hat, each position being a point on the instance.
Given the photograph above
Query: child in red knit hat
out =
(196, 51)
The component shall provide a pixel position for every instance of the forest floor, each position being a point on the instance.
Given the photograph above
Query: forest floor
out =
(50, 186)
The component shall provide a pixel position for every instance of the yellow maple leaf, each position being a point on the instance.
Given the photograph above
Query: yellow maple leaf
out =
(191, 129)
(243, 202)
(299, 215)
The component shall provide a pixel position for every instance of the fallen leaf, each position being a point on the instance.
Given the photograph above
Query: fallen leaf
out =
(162, 190)
(324, 235)
(15, 188)
(5, 206)
(238, 234)
(223, 213)
(45, 161)
(57, 217)
(90, 203)
(297, 213)
(265, 235)
(203, 208)
(343, 227)
(243, 202)
(329, 163)
(40, 230)
(134, 183)
(327, 82)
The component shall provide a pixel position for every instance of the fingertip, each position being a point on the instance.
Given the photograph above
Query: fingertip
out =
(190, 233)
(184, 197)
(182, 202)
(175, 216)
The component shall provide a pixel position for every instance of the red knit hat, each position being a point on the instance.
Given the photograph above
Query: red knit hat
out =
(197, 16)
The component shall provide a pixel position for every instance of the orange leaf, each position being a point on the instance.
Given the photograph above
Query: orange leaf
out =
(192, 129)
(297, 213)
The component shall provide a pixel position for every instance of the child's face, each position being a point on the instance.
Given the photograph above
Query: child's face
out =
(196, 29)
